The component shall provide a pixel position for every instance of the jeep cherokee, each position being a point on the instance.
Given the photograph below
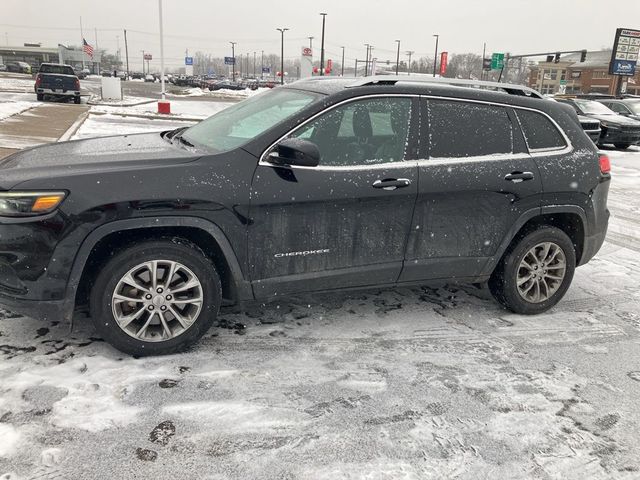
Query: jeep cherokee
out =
(324, 184)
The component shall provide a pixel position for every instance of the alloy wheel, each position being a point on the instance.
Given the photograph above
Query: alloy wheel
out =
(541, 272)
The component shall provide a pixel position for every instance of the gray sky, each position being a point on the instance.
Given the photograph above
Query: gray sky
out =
(516, 26)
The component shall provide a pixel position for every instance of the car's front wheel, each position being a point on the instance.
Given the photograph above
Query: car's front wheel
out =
(535, 272)
(156, 298)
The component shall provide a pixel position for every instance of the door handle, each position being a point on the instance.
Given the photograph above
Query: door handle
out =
(517, 177)
(391, 183)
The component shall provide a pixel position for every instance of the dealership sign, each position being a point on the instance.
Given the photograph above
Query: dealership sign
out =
(626, 48)
(443, 63)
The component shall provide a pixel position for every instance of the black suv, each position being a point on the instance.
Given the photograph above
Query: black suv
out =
(324, 184)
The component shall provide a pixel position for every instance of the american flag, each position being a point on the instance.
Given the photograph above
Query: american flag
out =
(88, 49)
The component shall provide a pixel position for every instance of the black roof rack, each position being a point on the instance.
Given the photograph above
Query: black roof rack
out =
(509, 88)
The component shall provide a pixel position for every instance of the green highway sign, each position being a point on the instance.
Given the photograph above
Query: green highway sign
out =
(497, 61)
(563, 82)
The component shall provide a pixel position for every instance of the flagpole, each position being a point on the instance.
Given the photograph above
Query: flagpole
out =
(81, 42)
(96, 32)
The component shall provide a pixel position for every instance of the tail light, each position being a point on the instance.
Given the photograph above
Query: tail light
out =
(77, 84)
(605, 164)
(38, 80)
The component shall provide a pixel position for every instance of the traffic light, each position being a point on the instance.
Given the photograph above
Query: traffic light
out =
(583, 55)
(549, 58)
(557, 58)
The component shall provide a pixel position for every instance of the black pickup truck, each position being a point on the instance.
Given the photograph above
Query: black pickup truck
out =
(57, 80)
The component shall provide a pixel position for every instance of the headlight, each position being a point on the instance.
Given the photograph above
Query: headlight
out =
(26, 204)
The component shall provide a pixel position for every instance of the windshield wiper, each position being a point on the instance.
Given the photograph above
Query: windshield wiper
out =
(186, 142)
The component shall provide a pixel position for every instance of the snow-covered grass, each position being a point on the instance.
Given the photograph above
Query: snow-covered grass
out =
(222, 93)
(8, 109)
(24, 84)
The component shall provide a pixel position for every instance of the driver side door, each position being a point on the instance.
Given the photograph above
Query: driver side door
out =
(339, 224)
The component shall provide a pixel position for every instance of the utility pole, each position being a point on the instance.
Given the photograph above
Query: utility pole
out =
(324, 17)
(233, 56)
(409, 52)
(484, 52)
(126, 52)
(282, 30)
(366, 60)
(435, 57)
(262, 64)
(398, 58)
(342, 64)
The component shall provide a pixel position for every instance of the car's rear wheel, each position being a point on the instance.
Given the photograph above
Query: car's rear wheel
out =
(622, 146)
(39, 97)
(535, 272)
(76, 100)
(156, 298)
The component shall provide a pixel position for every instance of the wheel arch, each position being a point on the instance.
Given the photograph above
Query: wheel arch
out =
(205, 234)
(571, 219)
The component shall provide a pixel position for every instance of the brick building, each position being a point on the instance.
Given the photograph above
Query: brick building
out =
(590, 76)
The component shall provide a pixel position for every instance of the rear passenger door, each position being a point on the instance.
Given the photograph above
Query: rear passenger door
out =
(476, 180)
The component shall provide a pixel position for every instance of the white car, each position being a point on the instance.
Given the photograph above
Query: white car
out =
(149, 78)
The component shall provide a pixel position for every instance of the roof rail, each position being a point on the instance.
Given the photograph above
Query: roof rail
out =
(509, 88)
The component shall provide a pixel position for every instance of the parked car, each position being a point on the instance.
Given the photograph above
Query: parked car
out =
(137, 76)
(3, 67)
(18, 67)
(616, 129)
(57, 80)
(80, 73)
(626, 107)
(313, 186)
(149, 78)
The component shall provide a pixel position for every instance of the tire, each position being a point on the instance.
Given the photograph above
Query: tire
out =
(503, 282)
(76, 100)
(622, 146)
(39, 97)
(154, 339)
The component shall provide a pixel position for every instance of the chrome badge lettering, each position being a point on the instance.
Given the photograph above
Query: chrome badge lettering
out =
(304, 253)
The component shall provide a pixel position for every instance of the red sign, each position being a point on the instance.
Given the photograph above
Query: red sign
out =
(306, 52)
(443, 63)
(329, 65)
(147, 56)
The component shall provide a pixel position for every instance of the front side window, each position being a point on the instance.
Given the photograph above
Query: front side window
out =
(239, 124)
(362, 132)
(539, 132)
(460, 129)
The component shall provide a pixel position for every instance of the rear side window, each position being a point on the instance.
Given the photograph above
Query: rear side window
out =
(459, 129)
(539, 132)
(57, 69)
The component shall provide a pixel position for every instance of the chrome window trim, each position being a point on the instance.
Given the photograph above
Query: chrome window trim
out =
(432, 160)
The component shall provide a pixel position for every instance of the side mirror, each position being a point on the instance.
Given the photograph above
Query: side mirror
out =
(295, 151)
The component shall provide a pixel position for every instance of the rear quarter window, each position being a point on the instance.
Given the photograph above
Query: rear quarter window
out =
(539, 132)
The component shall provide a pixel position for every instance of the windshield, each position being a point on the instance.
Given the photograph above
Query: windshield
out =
(241, 123)
(591, 107)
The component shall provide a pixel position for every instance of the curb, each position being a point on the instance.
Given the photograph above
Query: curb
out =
(74, 127)
(133, 104)
(153, 116)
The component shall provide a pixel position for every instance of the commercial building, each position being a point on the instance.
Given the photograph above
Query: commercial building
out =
(34, 56)
(571, 75)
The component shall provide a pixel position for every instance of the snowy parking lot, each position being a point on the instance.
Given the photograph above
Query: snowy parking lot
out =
(406, 383)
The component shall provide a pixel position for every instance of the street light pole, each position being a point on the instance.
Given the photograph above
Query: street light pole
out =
(311, 42)
(143, 62)
(324, 16)
(435, 57)
(282, 30)
(342, 64)
(233, 56)
(254, 64)
(262, 64)
(398, 58)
